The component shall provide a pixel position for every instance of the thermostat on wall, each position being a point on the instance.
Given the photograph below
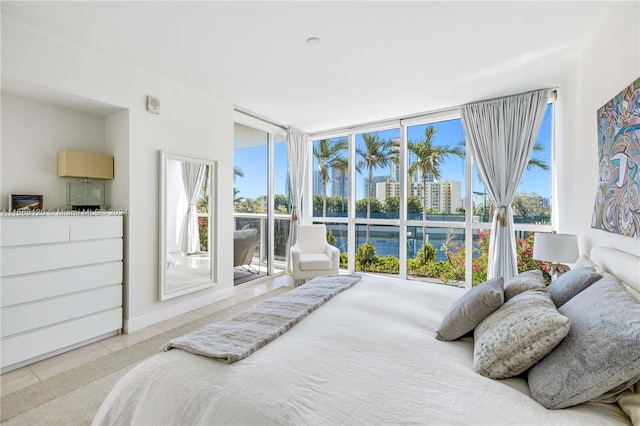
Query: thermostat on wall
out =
(153, 105)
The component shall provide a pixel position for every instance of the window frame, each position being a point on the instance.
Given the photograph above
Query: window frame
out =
(402, 222)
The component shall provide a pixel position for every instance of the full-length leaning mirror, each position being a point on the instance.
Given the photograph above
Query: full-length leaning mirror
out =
(187, 224)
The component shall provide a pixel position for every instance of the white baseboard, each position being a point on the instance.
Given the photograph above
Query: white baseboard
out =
(152, 318)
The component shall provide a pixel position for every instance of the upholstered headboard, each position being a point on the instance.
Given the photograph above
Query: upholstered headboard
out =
(623, 265)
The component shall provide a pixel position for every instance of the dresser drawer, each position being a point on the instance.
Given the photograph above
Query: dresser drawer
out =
(30, 316)
(24, 347)
(28, 259)
(19, 231)
(42, 285)
(96, 227)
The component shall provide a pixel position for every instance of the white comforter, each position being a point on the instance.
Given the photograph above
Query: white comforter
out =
(368, 356)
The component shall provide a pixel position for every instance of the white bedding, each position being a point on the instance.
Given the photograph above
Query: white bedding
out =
(368, 356)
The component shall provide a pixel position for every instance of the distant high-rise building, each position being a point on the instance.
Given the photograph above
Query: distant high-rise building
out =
(545, 203)
(317, 183)
(375, 180)
(340, 184)
(443, 197)
(417, 176)
(395, 172)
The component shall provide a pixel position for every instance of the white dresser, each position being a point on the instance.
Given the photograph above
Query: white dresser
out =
(61, 284)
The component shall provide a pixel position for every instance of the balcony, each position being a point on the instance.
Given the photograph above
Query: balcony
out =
(259, 265)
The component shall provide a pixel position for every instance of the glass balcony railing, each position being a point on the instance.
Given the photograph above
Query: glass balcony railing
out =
(259, 222)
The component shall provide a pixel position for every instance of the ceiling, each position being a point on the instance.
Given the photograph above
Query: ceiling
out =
(376, 60)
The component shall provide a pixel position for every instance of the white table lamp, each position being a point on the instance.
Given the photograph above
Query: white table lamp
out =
(556, 249)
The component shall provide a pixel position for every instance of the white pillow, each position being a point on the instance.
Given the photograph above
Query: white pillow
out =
(585, 261)
(630, 404)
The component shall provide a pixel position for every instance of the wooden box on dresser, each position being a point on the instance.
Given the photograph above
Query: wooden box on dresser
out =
(61, 283)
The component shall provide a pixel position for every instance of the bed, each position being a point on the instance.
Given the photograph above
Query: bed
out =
(367, 356)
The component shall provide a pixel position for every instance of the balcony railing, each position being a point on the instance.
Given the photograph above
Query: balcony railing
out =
(258, 221)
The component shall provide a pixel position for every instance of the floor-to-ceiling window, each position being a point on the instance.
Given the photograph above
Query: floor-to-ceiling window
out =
(377, 234)
(435, 189)
(331, 187)
(411, 203)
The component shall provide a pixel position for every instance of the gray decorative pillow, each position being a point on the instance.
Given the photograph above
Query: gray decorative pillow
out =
(529, 280)
(517, 335)
(601, 352)
(571, 283)
(467, 312)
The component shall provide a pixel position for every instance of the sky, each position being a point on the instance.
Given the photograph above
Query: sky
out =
(252, 161)
(253, 164)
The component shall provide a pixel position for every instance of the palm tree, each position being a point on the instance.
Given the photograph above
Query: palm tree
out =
(237, 171)
(329, 156)
(375, 153)
(429, 158)
(536, 162)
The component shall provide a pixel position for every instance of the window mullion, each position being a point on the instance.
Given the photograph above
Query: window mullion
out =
(402, 230)
(351, 211)
(468, 220)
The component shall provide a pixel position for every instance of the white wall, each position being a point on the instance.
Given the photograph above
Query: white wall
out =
(32, 134)
(609, 63)
(117, 145)
(190, 123)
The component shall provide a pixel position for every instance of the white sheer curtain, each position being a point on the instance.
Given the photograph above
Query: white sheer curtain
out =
(500, 136)
(192, 175)
(298, 161)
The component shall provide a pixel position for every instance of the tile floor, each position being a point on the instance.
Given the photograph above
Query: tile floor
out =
(25, 376)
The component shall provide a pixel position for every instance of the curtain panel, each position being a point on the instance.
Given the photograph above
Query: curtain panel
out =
(298, 160)
(501, 134)
(192, 175)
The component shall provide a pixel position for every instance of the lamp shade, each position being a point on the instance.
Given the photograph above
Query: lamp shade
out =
(85, 165)
(557, 248)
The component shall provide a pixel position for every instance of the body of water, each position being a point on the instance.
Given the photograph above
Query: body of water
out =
(385, 239)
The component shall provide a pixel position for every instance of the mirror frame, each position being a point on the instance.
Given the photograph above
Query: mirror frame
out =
(162, 254)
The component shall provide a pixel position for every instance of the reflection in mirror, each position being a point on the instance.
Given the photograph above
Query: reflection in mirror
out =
(187, 246)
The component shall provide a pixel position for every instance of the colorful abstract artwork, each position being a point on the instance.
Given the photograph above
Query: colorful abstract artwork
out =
(617, 205)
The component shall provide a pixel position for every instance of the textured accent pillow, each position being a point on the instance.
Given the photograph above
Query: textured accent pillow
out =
(571, 283)
(518, 334)
(529, 280)
(600, 353)
(474, 306)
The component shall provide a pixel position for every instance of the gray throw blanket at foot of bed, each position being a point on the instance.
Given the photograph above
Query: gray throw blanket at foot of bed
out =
(238, 337)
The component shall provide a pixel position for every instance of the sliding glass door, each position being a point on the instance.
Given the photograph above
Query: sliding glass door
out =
(261, 201)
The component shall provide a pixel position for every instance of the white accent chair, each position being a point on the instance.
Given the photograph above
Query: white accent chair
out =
(312, 256)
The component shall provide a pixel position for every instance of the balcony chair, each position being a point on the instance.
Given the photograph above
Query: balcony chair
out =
(244, 244)
(312, 256)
